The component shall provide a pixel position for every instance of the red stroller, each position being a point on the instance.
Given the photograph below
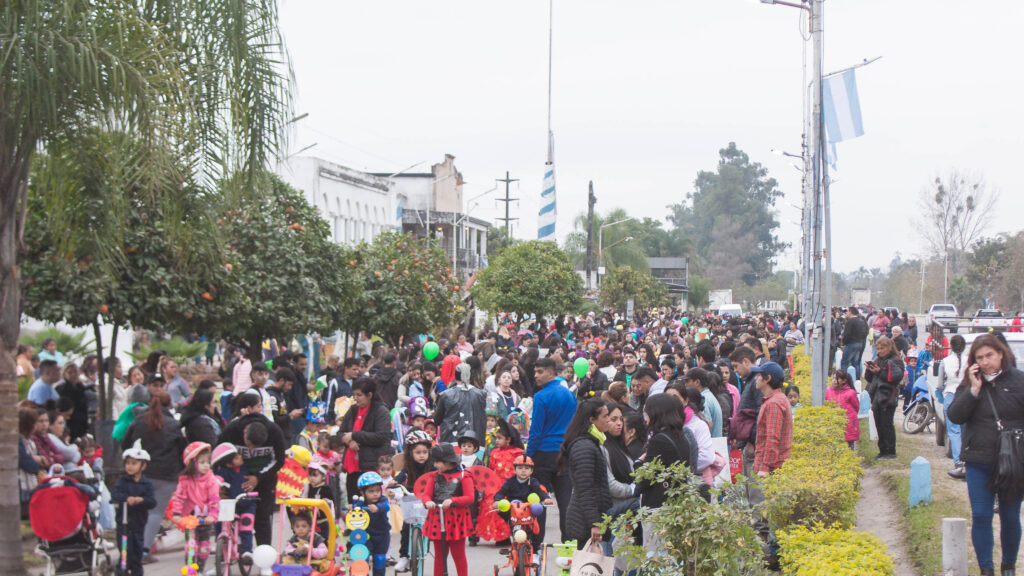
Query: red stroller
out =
(68, 532)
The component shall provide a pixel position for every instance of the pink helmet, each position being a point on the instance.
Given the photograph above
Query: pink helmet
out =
(222, 451)
(194, 449)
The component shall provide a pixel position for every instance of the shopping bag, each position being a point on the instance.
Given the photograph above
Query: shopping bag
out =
(591, 561)
(735, 463)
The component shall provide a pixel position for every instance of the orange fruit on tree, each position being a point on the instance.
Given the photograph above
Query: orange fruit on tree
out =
(104, 309)
(207, 296)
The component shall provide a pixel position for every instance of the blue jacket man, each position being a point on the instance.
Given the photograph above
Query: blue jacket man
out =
(553, 408)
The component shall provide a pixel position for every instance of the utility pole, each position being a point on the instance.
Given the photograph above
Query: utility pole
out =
(920, 301)
(507, 199)
(591, 200)
(819, 315)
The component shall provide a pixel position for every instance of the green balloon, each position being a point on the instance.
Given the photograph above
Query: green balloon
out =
(580, 367)
(504, 505)
(430, 350)
(533, 499)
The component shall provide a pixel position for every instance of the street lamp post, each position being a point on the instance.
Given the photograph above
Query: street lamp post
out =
(600, 238)
(818, 315)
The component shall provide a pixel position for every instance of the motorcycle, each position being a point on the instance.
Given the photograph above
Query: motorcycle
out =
(919, 413)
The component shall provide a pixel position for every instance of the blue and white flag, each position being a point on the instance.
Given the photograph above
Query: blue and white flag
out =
(842, 107)
(548, 211)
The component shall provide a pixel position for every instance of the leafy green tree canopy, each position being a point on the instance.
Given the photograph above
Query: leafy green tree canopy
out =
(533, 277)
(406, 287)
(731, 219)
(624, 283)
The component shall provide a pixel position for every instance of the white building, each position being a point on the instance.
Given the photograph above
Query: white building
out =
(357, 205)
(432, 205)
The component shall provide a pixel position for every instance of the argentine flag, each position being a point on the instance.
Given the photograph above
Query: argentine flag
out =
(841, 107)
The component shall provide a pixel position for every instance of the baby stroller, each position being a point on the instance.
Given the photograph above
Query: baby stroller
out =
(64, 518)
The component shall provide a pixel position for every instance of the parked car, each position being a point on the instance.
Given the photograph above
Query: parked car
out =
(944, 314)
(936, 381)
(986, 319)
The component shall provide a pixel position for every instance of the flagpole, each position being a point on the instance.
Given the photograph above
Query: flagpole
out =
(548, 215)
(817, 312)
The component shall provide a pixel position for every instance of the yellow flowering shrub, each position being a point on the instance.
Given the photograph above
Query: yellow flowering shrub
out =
(832, 552)
(820, 482)
(801, 368)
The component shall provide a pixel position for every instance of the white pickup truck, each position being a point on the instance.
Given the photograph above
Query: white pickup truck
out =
(945, 315)
(986, 319)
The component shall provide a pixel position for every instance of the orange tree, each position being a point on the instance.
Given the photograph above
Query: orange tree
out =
(288, 277)
(406, 287)
(529, 278)
(104, 247)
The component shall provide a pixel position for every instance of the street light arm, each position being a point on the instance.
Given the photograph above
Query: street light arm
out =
(790, 4)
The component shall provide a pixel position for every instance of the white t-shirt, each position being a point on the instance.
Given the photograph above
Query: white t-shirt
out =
(951, 373)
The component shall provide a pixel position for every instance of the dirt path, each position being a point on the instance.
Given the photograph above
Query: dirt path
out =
(878, 513)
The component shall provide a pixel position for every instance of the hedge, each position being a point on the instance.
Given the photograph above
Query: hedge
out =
(811, 500)
(833, 552)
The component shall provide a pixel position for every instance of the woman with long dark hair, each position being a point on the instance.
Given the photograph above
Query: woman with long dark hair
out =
(162, 437)
(634, 433)
(582, 456)
(199, 418)
(990, 398)
(620, 464)
(667, 444)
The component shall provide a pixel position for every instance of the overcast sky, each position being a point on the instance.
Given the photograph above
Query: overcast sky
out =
(646, 92)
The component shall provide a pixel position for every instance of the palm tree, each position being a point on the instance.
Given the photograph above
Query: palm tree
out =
(617, 250)
(209, 79)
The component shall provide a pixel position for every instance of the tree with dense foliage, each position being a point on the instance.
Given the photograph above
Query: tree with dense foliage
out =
(288, 276)
(624, 283)
(209, 78)
(700, 290)
(730, 217)
(532, 277)
(405, 287)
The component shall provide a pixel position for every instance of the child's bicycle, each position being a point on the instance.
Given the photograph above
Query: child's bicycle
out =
(188, 525)
(523, 523)
(414, 514)
(565, 551)
(227, 541)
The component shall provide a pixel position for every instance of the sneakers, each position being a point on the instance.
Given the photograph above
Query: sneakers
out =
(245, 558)
(148, 558)
(473, 540)
(402, 565)
(957, 472)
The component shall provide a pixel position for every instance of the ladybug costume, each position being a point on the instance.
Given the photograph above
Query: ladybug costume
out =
(490, 525)
(440, 486)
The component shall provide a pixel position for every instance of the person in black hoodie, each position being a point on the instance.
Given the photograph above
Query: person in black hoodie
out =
(582, 456)
(261, 444)
(387, 378)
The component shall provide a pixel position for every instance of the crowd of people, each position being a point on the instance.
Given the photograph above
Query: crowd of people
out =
(566, 411)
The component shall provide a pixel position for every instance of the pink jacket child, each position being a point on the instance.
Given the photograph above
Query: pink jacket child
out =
(198, 495)
(847, 399)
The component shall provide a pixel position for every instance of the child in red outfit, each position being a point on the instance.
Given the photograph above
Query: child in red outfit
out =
(507, 447)
(451, 490)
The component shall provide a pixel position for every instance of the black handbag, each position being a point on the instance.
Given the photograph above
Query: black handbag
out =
(1008, 478)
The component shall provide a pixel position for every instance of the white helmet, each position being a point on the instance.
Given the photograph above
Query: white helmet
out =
(136, 452)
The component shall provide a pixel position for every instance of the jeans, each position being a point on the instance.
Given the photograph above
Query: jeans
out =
(755, 496)
(852, 354)
(886, 429)
(162, 490)
(953, 430)
(982, 500)
(546, 472)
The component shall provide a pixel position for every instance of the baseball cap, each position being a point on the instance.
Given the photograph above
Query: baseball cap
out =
(770, 369)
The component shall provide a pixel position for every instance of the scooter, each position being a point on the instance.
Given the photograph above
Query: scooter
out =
(919, 413)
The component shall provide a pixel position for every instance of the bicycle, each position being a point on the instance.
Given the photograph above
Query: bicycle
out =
(520, 552)
(414, 514)
(227, 541)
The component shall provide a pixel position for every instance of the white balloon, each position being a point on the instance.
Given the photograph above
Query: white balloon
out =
(264, 556)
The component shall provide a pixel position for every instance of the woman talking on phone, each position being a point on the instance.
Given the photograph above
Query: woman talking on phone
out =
(992, 389)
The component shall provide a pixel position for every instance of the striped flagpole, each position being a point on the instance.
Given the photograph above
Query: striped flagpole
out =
(548, 202)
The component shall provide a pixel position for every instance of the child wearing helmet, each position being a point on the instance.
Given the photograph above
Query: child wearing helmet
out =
(520, 487)
(319, 489)
(198, 494)
(451, 489)
(136, 492)
(416, 463)
(371, 487)
(229, 466)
